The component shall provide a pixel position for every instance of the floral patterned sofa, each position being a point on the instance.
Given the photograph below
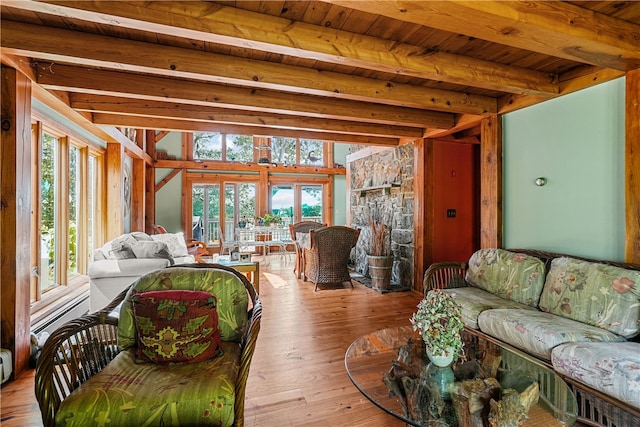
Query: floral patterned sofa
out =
(579, 316)
(177, 355)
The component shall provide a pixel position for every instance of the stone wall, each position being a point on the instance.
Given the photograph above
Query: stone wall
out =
(392, 206)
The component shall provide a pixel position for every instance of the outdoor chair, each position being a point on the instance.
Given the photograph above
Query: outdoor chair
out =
(326, 260)
(176, 353)
(294, 229)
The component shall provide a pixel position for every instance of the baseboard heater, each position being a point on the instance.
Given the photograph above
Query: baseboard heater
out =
(71, 310)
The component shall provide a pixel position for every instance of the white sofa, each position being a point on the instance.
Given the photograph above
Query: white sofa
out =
(119, 262)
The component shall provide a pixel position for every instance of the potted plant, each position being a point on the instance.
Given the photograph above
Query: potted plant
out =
(380, 258)
(439, 321)
(270, 218)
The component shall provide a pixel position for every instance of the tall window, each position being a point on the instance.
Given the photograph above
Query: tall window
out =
(238, 200)
(74, 210)
(297, 202)
(311, 203)
(65, 207)
(48, 209)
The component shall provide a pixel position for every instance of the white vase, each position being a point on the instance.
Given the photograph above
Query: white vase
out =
(442, 359)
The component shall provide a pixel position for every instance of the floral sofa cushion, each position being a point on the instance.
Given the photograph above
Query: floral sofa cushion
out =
(126, 393)
(474, 301)
(509, 275)
(596, 294)
(613, 369)
(230, 292)
(537, 332)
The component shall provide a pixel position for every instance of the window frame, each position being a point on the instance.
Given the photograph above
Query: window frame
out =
(65, 283)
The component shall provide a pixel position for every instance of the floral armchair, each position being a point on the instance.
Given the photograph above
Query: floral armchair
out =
(178, 353)
(326, 260)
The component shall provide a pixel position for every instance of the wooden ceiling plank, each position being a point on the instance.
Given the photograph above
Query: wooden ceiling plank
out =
(226, 25)
(128, 106)
(549, 27)
(76, 79)
(191, 126)
(55, 44)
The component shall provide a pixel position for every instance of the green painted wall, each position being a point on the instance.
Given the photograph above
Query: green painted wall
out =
(340, 152)
(577, 143)
(168, 208)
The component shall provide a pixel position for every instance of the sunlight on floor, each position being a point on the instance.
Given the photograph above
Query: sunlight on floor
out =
(276, 281)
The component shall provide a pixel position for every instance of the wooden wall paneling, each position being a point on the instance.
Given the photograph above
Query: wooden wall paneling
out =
(491, 182)
(137, 195)
(632, 167)
(36, 214)
(150, 183)
(62, 214)
(423, 214)
(187, 145)
(83, 232)
(114, 189)
(15, 215)
(141, 140)
(263, 192)
(327, 204)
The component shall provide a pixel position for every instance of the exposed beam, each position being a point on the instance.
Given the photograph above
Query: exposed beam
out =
(569, 82)
(159, 109)
(235, 27)
(191, 126)
(58, 45)
(212, 165)
(87, 80)
(553, 28)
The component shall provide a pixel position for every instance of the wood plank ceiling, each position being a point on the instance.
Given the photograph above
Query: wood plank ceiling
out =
(364, 72)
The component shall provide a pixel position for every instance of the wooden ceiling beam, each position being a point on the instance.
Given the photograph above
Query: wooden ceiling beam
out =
(58, 45)
(87, 80)
(191, 126)
(235, 27)
(569, 82)
(141, 107)
(553, 28)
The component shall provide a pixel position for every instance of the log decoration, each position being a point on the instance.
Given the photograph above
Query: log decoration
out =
(474, 399)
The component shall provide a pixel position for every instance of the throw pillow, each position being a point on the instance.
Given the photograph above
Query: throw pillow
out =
(121, 247)
(175, 242)
(176, 326)
(152, 249)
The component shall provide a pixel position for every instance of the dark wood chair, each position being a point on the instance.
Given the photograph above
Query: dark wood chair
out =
(327, 260)
(301, 227)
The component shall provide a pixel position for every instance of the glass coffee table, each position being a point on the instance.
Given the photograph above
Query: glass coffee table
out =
(373, 360)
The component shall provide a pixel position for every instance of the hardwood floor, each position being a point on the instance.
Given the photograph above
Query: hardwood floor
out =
(297, 375)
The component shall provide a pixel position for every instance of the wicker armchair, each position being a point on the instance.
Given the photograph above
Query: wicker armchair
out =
(326, 261)
(82, 348)
(444, 275)
(301, 227)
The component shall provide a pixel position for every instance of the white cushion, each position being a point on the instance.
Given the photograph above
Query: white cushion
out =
(175, 242)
